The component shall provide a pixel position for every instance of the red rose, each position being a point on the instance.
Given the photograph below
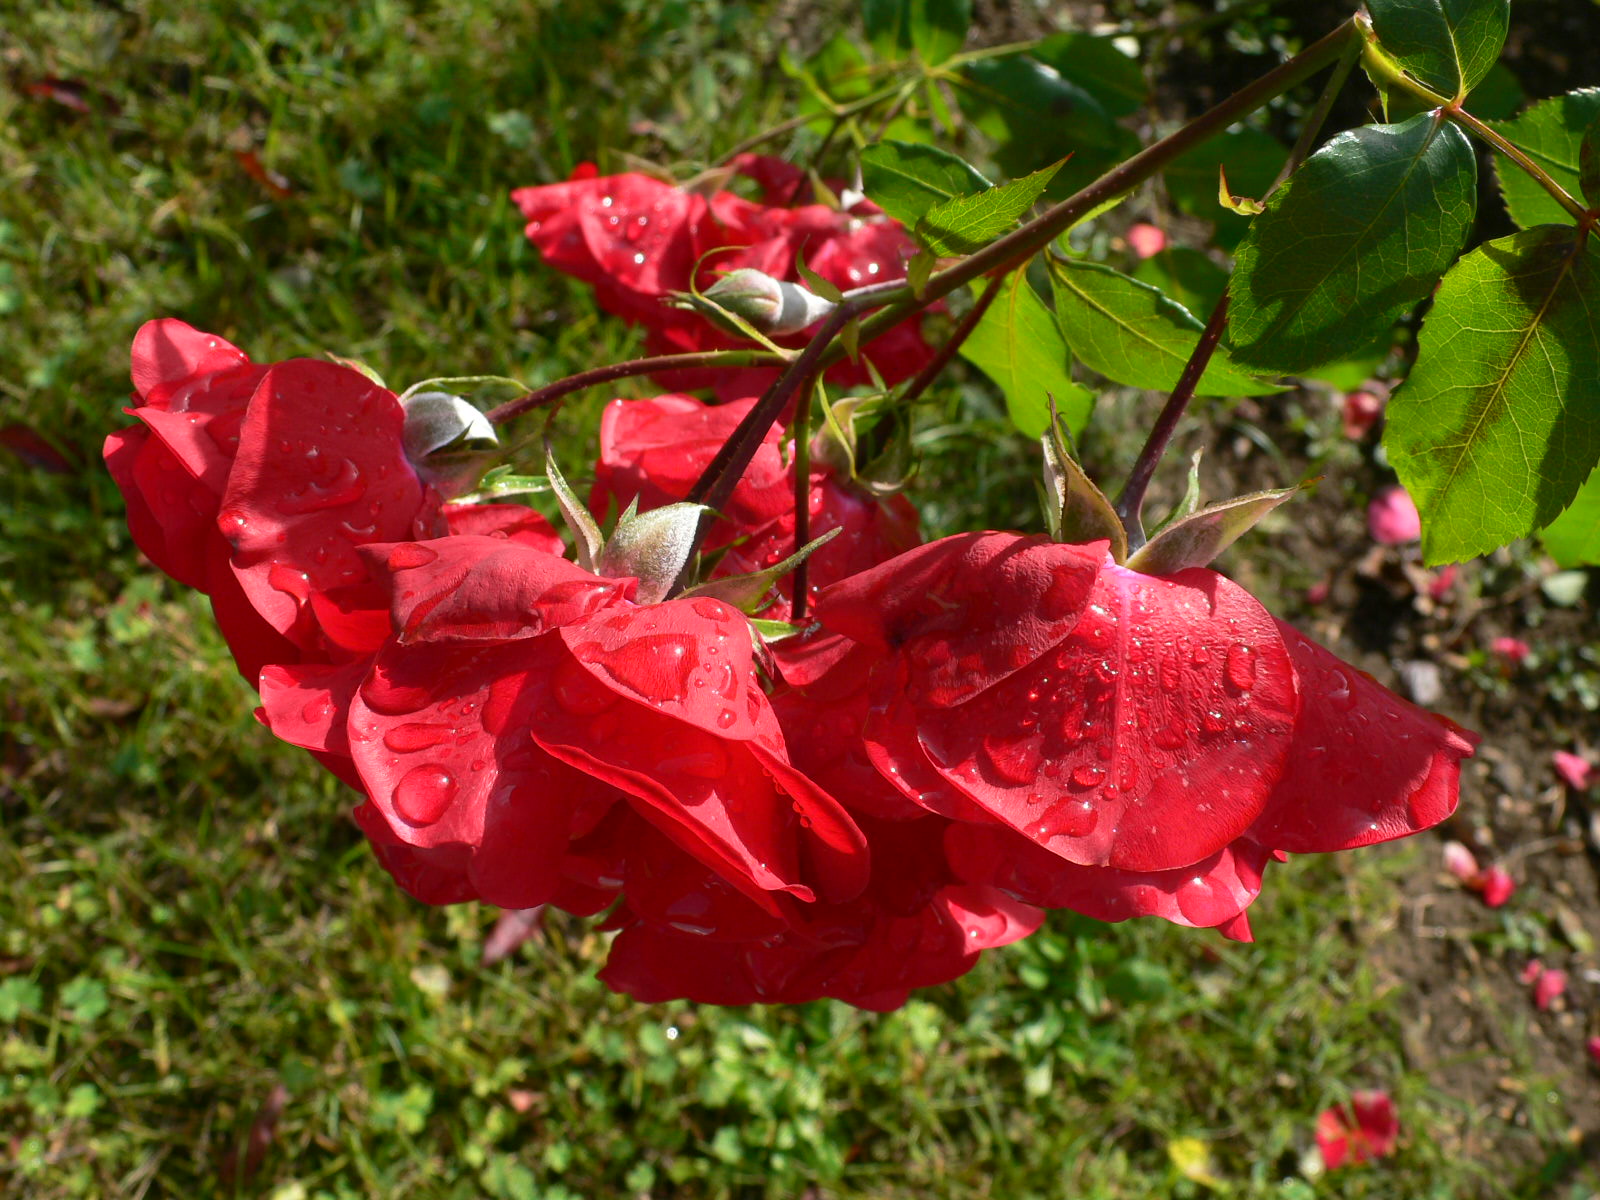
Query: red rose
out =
(1366, 1128)
(522, 698)
(636, 240)
(1155, 738)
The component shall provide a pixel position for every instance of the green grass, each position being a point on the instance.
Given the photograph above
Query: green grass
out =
(188, 919)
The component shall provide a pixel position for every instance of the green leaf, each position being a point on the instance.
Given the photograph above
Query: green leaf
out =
(1018, 345)
(1098, 67)
(1129, 332)
(935, 29)
(1498, 95)
(1449, 45)
(1195, 540)
(1551, 133)
(1498, 424)
(1251, 158)
(1589, 165)
(1573, 538)
(1357, 237)
(906, 180)
(968, 223)
(586, 539)
(1037, 116)
(1186, 276)
(746, 592)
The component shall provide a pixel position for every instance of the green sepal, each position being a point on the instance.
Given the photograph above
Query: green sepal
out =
(748, 593)
(775, 631)
(1195, 540)
(1079, 511)
(1190, 502)
(586, 539)
(355, 364)
(819, 285)
(654, 547)
(450, 382)
(500, 481)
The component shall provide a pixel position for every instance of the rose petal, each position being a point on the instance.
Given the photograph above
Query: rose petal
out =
(1575, 770)
(1392, 517)
(168, 353)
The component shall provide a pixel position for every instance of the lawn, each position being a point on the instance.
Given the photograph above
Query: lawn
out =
(208, 987)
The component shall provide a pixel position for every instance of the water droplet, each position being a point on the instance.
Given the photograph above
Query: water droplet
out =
(316, 712)
(579, 692)
(1199, 900)
(1214, 721)
(727, 718)
(345, 486)
(289, 581)
(1087, 774)
(423, 794)
(1240, 669)
(415, 735)
(1071, 818)
(1200, 657)
(408, 555)
(655, 666)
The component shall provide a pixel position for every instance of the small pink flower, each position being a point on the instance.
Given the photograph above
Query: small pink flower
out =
(1458, 860)
(1547, 988)
(1510, 650)
(1392, 517)
(1318, 592)
(1496, 886)
(1146, 240)
(1360, 412)
(1574, 769)
(1593, 1047)
(1531, 972)
(1366, 1128)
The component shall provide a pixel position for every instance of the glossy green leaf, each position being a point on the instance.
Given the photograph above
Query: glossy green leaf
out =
(1358, 236)
(1185, 275)
(935, 29)
(906, 180)
(1446, 44)
(1129, 332)
(969, 223)
(1037, 116)
(1252, 159)
(1589, 165)
(1573, 538)
(1498, 424)
(1498, 95)
(1098, 67)
(1551, 133)
(1018, 345)
(1196, 539)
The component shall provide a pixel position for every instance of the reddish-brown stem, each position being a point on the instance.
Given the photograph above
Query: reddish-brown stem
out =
(802, 500)
(551, 392)
(925, 377)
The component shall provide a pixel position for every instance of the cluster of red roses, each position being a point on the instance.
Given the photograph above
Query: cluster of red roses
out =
(978, 729)
(638, 241)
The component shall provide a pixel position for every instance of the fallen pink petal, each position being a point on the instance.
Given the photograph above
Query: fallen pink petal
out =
(1360, 413)
(1366, 1128)
(1392, 518)
(1593, 1047)
(1460, 862)
(1548, 988)
(1495, 885)
(1532, 972)
(1146, 240)
(1575, 770)
(1510, 650)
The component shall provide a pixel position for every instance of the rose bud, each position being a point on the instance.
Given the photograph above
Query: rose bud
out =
(771, 305)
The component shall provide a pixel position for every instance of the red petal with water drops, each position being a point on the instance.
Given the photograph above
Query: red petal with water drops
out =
(169, 353)
(689, 659)
(511, 522)
(161, 514)
(967, 611)
(1149, 739)
(431, 874)
(309, 704)
(320, 472)
(251, 640)
(470, 588)
(440, 736)
(1366, 766)
(1212, 892)
(987, 916)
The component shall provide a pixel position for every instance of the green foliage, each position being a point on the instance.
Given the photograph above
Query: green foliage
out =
(1449, 45)
(1129, 332)
(934, 29)
(1573, 538)
(1499, 422)
(1358, 236)
(1195, 539)
(1018, 345)
(906, 180)
(1185, 276)
(964, 224)
(1551, 133)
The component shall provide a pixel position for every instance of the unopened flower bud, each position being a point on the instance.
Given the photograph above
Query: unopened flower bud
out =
(769, 304)
(436, 419)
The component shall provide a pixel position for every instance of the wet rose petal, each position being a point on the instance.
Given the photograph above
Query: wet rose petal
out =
(1575, 770)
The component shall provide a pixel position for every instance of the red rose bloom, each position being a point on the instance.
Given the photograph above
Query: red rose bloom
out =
(636, 240)
(1123, 744)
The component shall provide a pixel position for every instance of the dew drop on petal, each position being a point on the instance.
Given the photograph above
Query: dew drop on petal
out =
(423, 794)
